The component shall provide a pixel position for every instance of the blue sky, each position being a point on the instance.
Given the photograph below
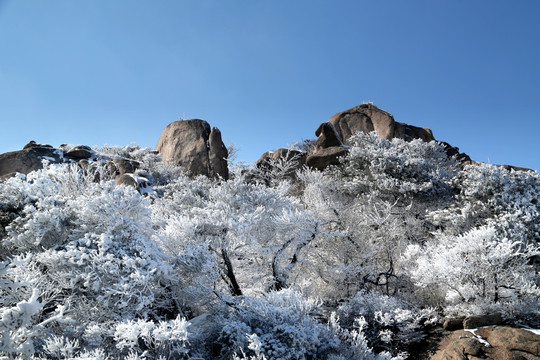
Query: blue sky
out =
(267, 73)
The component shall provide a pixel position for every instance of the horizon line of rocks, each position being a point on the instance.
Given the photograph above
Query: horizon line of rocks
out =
(199, 148)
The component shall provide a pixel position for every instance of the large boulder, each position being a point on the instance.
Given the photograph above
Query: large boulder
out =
(80, 152)
(368, 117)
(123, 166)
(196, 147)
(29, 159)
(494, 342)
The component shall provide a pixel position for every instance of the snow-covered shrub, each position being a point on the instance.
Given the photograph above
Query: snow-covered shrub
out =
(21, 313)
(59, 347)
(493, 194)
(93, 250)
(252, 231)
(364, 237)
(166, 338)
(478, 272)
(389, 323)
(395, 168)
(276, 325)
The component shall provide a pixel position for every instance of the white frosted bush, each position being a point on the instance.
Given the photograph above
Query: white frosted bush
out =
(397, 167)
(388, 322)
(477, 272)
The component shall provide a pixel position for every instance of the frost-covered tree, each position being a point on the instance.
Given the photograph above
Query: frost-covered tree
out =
(93, 250)
(394, 169)
(478, 271)
(252, 232)
(374, 205)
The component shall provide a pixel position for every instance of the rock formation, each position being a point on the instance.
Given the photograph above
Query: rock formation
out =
(194, 146)
(28, 159)
(328, 147)
(80, 152)
(496, 343)
(323, 158)
(368, 117)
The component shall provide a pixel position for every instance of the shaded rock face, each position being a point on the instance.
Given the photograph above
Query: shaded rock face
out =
(504, 343)
(367, 117)
(328, 148)
(454, 151)
(323, 158)
(194, 146)
(80, 152)
(327, 136)
(27, 160)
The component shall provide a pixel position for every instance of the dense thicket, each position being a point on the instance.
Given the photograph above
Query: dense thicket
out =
(353, 262)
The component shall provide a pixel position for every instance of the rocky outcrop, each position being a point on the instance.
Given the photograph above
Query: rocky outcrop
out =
(323, 158)
(454, 151)
(368, 117)
(196, 147)
(327, 136)
(328, 148)
(495, 342)
(29, 159)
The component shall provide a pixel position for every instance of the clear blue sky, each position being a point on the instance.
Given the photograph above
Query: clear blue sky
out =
(267, 73)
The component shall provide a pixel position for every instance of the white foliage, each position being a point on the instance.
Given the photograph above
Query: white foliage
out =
(167, 338)
(397, 167)
(478, 272)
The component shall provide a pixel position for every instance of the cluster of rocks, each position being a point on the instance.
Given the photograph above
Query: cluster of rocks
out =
(333, 136)
(485, 337)
(199, 149)
(31, 158)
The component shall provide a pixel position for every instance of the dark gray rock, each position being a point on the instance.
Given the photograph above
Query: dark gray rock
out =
(453, 324)
(327, 136)
(80, 152)
(473, 322)
(323, 158)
